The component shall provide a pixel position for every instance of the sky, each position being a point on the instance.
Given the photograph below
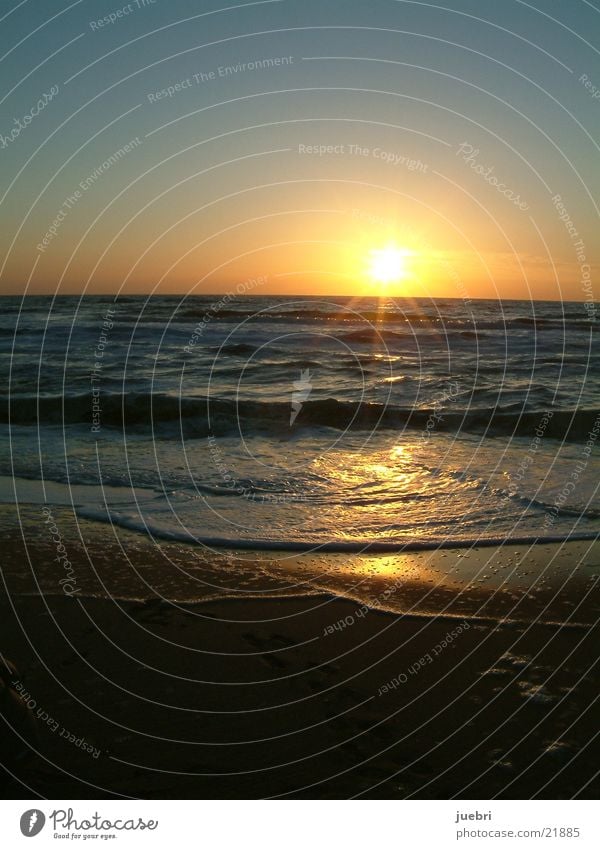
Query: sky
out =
(185, 147)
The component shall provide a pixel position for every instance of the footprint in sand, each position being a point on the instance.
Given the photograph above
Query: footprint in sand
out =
(272, 642)
(272, 662)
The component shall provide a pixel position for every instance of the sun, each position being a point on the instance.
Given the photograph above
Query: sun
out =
(388, 264)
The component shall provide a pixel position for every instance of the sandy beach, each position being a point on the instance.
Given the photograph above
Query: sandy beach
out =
(175, 672)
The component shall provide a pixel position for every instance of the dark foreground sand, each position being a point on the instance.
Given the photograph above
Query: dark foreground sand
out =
(304, 696)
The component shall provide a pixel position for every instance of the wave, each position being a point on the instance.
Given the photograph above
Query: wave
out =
(376, 317)
(437, 321)
(235, 348)
(204, 416)
(578, 512)
(373, 334)
(356, 545)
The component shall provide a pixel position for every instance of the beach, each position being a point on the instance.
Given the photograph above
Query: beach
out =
(166, 670)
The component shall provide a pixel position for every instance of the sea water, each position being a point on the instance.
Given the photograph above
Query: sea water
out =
(306, 423)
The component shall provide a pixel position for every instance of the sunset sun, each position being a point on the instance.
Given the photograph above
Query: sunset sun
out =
(388, 265)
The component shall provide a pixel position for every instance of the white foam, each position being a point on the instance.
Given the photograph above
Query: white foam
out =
(153, 526)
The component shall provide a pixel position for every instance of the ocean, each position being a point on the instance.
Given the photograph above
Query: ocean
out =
(305, 423)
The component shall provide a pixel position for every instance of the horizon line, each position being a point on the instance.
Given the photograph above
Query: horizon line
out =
(116, 295)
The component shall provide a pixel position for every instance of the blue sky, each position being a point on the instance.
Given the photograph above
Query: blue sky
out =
(414, 80)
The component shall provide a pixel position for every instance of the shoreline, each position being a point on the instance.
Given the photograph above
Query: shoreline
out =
(543, 582)
(229, 676)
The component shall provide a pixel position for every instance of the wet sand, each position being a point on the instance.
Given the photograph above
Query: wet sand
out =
(250, 678)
